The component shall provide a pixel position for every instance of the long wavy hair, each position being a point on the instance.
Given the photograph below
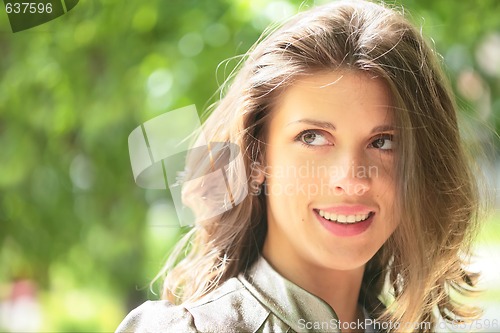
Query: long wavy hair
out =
(422, 265)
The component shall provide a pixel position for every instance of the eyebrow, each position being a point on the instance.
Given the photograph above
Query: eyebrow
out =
(382, 128)
(330, 126)
(313, 122)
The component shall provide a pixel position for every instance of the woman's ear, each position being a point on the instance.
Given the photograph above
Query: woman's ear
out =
(257, 177)
(257, 173)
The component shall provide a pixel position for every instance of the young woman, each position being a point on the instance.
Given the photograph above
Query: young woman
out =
(362, 201)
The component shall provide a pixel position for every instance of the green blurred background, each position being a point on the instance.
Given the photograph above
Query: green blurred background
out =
(79, 241)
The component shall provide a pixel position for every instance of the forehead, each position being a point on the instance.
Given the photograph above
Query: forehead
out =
(335, 94)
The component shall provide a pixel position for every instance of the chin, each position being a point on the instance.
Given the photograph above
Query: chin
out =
(345, 261)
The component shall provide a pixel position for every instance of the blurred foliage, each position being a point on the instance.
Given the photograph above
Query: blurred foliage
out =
(72, 219)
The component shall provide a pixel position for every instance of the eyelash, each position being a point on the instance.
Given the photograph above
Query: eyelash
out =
(298, 138)
(383, 136)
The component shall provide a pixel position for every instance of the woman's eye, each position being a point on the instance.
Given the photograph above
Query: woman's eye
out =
(383, 142)
(312, 138)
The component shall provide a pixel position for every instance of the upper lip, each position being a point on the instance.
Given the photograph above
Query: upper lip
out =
(344, 209)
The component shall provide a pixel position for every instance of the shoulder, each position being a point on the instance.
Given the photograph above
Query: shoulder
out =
(229, 308)
(157, 316)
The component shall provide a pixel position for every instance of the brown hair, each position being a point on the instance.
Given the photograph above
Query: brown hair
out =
(423, 261)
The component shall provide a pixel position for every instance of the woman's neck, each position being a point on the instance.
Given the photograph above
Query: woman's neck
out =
(340, 289)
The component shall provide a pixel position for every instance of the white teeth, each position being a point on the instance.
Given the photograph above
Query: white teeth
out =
(346, 219)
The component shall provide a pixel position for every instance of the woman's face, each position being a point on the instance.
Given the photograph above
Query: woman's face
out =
(329, 171)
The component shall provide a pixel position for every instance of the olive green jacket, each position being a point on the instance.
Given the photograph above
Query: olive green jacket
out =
(258, 300)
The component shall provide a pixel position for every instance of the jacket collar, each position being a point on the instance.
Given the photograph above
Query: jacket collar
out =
(289, 302)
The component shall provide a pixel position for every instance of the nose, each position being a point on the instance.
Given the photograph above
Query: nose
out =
(350, 175)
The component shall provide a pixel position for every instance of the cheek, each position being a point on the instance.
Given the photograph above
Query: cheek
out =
(380, 169)
(387, 199)
(383, 187)
(295, 177)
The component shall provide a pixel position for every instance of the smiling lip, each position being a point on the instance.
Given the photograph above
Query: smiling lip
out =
(348, 209)
(345, 229)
